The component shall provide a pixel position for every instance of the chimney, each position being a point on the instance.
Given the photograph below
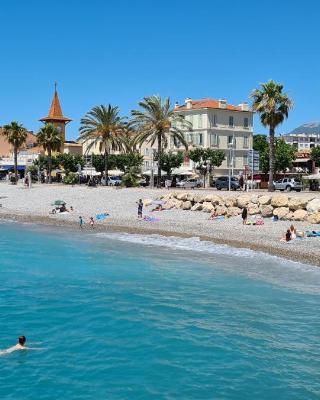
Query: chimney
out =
(222, 103)
(244, 106)
(188, 102)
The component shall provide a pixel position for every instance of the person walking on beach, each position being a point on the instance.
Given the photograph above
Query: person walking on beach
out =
(244, 216)
(80, 222)
(91, 222)
(140, 207)
(241, 182)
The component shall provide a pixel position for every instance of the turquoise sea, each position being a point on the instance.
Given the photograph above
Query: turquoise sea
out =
(133, 317)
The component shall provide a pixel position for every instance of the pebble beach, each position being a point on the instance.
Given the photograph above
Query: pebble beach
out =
(33, 205)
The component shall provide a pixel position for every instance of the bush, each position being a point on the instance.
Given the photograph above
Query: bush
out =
(70, 179)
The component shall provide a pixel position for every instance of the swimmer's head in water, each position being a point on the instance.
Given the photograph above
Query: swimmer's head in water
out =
(22, 340)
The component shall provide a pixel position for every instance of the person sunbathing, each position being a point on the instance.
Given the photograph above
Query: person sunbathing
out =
(287, 238)
(158, 208)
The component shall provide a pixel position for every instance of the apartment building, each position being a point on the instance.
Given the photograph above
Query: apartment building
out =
(218, 125)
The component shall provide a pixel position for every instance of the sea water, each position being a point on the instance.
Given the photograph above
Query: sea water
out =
(118, 316)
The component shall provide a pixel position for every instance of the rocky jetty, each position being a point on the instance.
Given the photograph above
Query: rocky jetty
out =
(295, 208)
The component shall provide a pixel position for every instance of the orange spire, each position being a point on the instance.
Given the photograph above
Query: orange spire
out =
(55, 113)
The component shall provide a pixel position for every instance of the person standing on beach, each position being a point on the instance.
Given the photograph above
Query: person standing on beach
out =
(140, 207)
(80, 222)
(244, 216)
(91, 222)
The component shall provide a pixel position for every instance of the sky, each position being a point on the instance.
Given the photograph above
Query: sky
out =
(118, 52)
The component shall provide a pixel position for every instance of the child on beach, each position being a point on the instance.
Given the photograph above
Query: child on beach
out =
(91, 222)
(80, 222)
(140, 207)
(244, 216)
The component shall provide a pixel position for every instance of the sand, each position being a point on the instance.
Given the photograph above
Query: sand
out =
(33, 205)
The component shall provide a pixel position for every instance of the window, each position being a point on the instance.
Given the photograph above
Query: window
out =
(245, 141)
(230, 121)
(147, 164)
(245, 122)
(198, 139)
(214, 140)
(230, 140)
(245, 159)
(200, 121)
(190, 119)
(146, 151)
(215, 120)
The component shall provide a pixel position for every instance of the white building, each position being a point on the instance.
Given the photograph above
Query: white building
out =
(219, 125)
(303, 141)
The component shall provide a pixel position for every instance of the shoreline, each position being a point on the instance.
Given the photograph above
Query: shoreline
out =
(284, 253)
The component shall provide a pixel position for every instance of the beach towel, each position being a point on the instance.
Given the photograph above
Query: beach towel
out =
(150, 219)
(101, 217)
(313, 233)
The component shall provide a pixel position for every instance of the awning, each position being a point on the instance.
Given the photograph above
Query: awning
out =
(301, 160)
(313, 176)
(7, 167)
(115, 172)
(155, 173)
(182, 171)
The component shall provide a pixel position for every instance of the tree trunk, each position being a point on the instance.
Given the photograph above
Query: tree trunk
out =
(15, 154)
(159, 164)
(49, 166)
(106, 166)
(271, 160)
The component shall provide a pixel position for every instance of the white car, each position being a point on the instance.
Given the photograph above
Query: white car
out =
(189, 183)
(112, 181)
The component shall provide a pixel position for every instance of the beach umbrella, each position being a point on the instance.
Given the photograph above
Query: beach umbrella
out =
(58, 203)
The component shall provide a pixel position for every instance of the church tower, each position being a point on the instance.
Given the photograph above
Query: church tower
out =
(56, 116)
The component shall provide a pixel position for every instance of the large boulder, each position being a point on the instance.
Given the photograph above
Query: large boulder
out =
(230, 201)
(253, 209)
(288, 217)
(182, 196)
(281, 212)
(280, 200)
(186, 205)
(189, 197)
(196, 207)
(243, 200)
(298, 203)
(313, 206)
(213, 198)
(264, 200)
(233, 211)
(207, 206)
(300, 215)
(255, 199)
(169, 204)
(221, 210)
(266, 210)
(314, 218)
(198, 198)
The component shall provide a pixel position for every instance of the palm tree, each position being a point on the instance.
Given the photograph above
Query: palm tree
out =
(156, 123)
(16, 135)
(103, 125)
(50, 138)
(273, 106)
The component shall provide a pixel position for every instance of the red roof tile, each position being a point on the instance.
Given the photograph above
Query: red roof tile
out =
(208, 103)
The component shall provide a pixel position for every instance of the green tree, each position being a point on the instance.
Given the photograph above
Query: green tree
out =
(273, 106)
(124, 162)
(315, 155)
(157, 122)
(206, 160)
(103, 125)
(16, 135)
(170, 160)
(70, 162)
(42, 162)
(284, 153)
(50, 138)
(98, 162)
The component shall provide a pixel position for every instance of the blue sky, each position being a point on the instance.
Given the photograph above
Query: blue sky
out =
(117, 52)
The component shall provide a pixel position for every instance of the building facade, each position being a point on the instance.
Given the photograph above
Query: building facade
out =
(217, 124)
(302, 141)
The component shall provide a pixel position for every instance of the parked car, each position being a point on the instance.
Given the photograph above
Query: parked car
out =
(112, 181)
(288, 184)
(189, 183)
(222, 182)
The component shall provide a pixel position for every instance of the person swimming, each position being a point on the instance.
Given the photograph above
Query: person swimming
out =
(21, 345)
